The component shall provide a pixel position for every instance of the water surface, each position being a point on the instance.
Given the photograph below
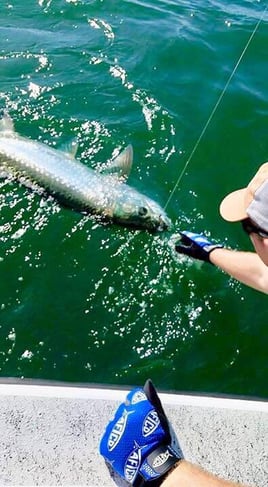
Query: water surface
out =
(81, 301)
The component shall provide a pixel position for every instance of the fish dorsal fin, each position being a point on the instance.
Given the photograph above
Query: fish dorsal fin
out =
(70, 148)
(6, 124)
(120, 167)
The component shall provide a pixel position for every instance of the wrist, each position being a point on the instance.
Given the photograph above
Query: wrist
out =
(214, 253)
(156, 466)
(173, 476)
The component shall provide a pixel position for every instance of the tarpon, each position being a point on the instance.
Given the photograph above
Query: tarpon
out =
(101, 192)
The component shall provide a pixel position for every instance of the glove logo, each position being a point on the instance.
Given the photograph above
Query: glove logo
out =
(161, 459)
(139, 396)
(150, 423)
(132, 465)
(117, 432)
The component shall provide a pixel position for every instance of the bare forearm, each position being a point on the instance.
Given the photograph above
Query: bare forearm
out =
(246, 267)
(188, 475)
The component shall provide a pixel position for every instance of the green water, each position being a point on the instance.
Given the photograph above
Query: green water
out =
(95, 303)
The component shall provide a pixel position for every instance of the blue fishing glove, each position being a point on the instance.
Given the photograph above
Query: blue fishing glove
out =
(196, 246)
(139, 444)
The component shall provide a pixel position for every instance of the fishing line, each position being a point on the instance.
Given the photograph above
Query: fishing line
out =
(215, 107)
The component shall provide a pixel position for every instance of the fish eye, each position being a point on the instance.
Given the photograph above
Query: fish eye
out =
(142, 211)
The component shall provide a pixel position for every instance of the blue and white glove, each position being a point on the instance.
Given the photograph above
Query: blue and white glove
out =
(196, 246)
(138, 443)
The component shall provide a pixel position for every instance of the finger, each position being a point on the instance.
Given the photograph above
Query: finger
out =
(183, 249)
(185, 239)
(153, 397)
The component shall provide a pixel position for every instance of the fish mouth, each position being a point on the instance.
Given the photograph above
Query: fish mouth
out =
(164, 223)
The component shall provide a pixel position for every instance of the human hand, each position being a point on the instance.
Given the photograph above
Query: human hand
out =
(139, 444)
(196, 246)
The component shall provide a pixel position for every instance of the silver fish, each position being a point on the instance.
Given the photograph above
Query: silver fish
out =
(102, 192)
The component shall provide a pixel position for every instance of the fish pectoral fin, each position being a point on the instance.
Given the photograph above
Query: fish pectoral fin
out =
(119, 167)
(6, 124)
(70, 148)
